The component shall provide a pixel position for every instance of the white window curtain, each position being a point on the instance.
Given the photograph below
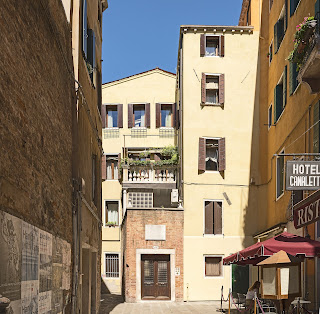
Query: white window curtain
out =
(112, 209)
(112, 174)
(212, 154)
(112, 118)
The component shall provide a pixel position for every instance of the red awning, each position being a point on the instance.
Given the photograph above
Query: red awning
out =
(290, 243)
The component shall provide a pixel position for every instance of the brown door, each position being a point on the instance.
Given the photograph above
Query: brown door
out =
(155, 277)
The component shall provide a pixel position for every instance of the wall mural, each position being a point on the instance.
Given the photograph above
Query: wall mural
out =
(35, 267)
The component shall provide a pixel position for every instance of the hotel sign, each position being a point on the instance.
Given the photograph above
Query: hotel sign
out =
(307, 211)
(302, 175)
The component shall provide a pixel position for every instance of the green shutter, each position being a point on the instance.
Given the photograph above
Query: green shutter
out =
(316, 7)
(292, 7)
(278, 98)
(316, 128)
(284, 89)
(291, 78)
(275, 38)
(275, 106)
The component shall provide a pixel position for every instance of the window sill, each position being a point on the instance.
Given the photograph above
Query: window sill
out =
(212, 56)
(111, 128)
(212, 171)
(211, 104)
(278, 197)
(213, 235)
(106, 226)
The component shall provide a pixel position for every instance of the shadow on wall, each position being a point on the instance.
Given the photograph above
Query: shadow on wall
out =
(108, 301)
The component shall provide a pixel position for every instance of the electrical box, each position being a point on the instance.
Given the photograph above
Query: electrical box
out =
(174, 196)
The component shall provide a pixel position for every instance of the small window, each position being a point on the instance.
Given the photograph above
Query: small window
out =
(212, 45)
(213, 266)
(139, 115)
(166, 115)
(112, 117)
(280, 95)
(213, 217)
(212, 154)
(112, 213)
(270, 117)
(280, 28)
(280, 175)
(112, 167)
(270, 52)
(293, 6)
(112, 265)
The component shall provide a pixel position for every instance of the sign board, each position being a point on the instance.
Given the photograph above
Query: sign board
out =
(302, 175)
(307, 211)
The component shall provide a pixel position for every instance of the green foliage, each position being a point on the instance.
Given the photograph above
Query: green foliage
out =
(144, 154)
(169, 150)
(111, 223)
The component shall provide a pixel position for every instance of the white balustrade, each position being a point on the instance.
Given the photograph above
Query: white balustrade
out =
(144, 175)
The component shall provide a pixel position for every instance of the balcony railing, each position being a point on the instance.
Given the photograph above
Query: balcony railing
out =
(149, 174)
(309, 71)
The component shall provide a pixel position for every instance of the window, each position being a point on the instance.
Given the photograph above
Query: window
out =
(112, 167)
(270, 117)
(280, 27)
(293, 6)
(280, 175)
(280, 95)
(212, 89)
(270, 52)
(211, 154)
(112, 116)
(139, 115)
(165, 115)
(111, 213)
(212, 217)
(112, 265)
(140, 199)
(213, 266)
(211, 45)
(293, 78)
(94, 176)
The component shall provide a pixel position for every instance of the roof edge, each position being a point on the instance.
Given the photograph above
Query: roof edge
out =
(217, 27)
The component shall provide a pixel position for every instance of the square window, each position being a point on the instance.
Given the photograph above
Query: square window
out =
(111, 213)
(212, 154)
(213, 266)
(280, 175)
(166, 115)
(112, 167)
(112, 117)
(139, 115)
(213, 217)
(112, 265)
(212, 46)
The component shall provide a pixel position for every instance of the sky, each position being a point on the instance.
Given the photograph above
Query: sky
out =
(140, 35)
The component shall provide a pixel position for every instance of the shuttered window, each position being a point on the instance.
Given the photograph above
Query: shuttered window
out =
(110, 169)
(213, 266)
(280, 96)
(280, 28)
(212, 89)
(293, 77)
(213, 217)
(165, 115)
(91, 53)
(211, 45)
(293, 6)
(112, 116)
(211, 154)
(139, 115)
(270, 117)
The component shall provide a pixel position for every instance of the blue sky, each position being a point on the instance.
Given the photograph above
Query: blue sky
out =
(139, 35)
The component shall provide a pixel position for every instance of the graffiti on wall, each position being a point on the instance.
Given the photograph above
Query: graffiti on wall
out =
(35, 267)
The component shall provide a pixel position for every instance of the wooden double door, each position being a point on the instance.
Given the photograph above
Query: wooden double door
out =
(155, 277)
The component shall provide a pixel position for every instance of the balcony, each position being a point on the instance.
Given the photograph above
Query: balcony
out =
(150, 176)
(309, 48)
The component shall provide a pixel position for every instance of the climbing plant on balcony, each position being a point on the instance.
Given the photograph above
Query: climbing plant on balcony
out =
(301, 40)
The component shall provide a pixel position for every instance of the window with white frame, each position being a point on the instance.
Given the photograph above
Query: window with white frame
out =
(213, 266)
(112, 265)
(280, 174)
(270, 117)
(112, 167)
(111, 213)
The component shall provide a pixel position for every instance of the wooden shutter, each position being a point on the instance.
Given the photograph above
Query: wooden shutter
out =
(84, 27)
(222, 153)
(104, 116)
(221, 46)
(285, 15)
(173, 117)
(203, 88)
(217, 218)
(202, 45)
(221, 89)
(104, 167)
(291, 75)
(120, 115)
(158, 115)
(147, 113)
(208, 218)
(130, 115)
(202, 154)
(119, 166)
(284, 87)
(275, 38)
(316, 128)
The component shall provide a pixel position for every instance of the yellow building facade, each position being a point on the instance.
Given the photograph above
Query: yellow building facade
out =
(217, 83)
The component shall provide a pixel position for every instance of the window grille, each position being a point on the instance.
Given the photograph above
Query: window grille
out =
(166, 132)
(139, 132)
(140, 199)
(110, 133)
(112, 265)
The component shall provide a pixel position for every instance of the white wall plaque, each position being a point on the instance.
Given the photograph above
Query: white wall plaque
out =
(155, 232)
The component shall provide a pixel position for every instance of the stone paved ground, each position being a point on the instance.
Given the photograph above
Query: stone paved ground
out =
(114, 304)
